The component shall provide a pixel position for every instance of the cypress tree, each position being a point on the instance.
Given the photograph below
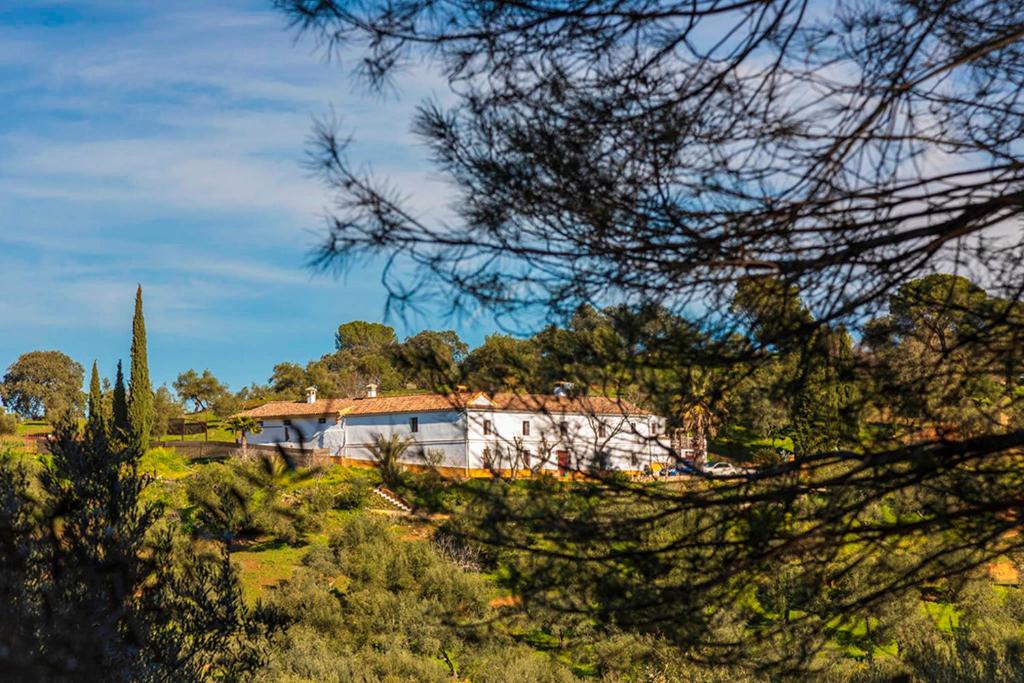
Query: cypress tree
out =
(140, 393)
(119, 426)
(95, 427)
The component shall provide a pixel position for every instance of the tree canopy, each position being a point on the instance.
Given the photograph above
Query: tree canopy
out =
(202, 390)
(755, 188)
(43, 383)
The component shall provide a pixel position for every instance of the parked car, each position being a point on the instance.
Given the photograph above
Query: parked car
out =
(680, 469)
(722, 469)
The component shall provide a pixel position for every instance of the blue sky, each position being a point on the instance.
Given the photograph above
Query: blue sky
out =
(162, 143)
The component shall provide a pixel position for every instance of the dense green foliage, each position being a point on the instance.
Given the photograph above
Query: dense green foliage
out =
(119, 425)
(550, 580)
(369, 606)
(140, 391)
(378, 601)
(8, 424)
(202, 390)
(42, 383)
(946, 357)
(96, 424)
(431, 359)
(165, 408)
(99, 586)
(264, 497)
(388, 599)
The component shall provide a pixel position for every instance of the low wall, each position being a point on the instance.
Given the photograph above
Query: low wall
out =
(222, 450)
(199, 449)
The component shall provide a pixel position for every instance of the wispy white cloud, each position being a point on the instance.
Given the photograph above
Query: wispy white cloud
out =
(165, 145)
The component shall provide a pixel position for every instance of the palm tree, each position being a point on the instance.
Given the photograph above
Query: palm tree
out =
(242, 425)
(388, 452)
(699, 423)
(702, 412)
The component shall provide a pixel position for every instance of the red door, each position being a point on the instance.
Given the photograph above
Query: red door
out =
(563, 462)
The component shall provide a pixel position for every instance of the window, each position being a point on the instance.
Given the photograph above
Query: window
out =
(414, 424)
(261, 423)
(487, 458)
(287, 422)
(632, 427)
(526, 427)
(322, 420)
(602, 430)
(487, 427)
(526, 456)
(563, 428)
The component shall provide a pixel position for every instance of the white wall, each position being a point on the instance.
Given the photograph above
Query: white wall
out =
(582, 440)
(443, 431)
(303, 432)
(460, 437)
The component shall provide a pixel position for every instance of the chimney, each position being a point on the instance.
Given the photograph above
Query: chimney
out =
(371, 390)
(310, 394)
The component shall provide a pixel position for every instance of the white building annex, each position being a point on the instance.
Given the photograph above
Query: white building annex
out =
(472, 434)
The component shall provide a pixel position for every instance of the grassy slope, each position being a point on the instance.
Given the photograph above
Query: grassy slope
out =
(739, 444)
(215, 432)
(33, 427)
(263, 563)
(166, 463)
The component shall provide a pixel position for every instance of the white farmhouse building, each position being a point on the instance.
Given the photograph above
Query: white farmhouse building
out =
(472, 433)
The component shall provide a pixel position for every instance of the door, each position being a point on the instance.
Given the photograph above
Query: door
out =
(563, 462)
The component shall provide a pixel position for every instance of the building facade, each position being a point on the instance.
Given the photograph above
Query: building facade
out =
(473, 433)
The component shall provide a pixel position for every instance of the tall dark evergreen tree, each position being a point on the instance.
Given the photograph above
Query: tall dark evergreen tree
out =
(95, 588)
(119, 414)
(96, 426)
(140, 393)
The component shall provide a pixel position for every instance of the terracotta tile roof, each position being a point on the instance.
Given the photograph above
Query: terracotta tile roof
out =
(411, 403)
(356, 406)
(421, 403)
(549, 403)
(327, 406)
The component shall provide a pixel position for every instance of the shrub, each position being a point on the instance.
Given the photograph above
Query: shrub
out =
(352, 495)
(250, 499)
(318, 500)
(282, 525)
(8, 424)
(387, 609)
(393, 610)
(457, 550)
(289, 522)
(165, 463)
(514, 664)
(222, 500)
(767, 457)
(165, 409)
(431, 491)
